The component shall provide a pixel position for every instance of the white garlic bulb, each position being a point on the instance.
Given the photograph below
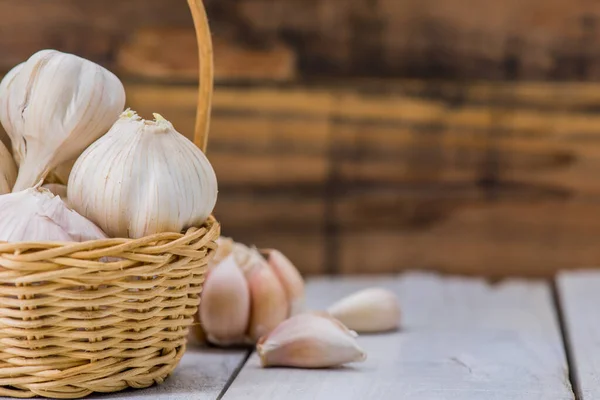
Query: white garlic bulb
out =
(141, 178)
(8, 170)
(36, 215)
(53, 106)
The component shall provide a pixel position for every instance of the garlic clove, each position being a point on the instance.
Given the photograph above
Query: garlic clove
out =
(8, 170)
(225, 304)
(369, 310)
(141, 178)
(268, 299)
(290, 278)
(36, 215)
(309, 340)
(52, 107)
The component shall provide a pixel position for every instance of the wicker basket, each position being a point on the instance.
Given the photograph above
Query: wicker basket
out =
(71, 325)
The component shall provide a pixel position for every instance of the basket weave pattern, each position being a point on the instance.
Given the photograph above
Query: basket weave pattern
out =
(99, 316)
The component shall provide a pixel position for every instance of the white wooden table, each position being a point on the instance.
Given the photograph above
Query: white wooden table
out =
(462, 338)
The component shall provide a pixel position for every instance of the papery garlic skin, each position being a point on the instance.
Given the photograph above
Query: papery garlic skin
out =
(368, 311)
(141, 178)
(309, 340)
(290, 278)
(53, 106)
(268, 298)
(36, 215)
(225, 304)
(8, 170)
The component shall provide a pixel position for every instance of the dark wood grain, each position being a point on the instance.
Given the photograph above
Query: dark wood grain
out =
(489, 179)
(462, 39)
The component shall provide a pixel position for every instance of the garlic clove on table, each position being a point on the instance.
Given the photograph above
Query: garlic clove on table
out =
(53, 106)
(8, 170)
(290, 277)
(309, 340)
(141, 178)
(225, 304)
(36, 215)
(368, 310)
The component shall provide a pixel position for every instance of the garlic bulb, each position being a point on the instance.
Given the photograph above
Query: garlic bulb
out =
(53, 106)
(290, 278)
(368, 310)
(8, 170)
(309, 340)
(141, 178)
(36, 215)
(225, 304)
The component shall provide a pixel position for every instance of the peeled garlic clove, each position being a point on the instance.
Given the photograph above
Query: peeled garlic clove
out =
(53, 106)
(290, 278)
(225, 304)
(36, 215)
(309, 341)
(369, 310)
(269, 301)
(141, 178)
(8, 170)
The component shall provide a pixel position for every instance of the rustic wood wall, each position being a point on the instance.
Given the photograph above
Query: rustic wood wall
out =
(371, 135)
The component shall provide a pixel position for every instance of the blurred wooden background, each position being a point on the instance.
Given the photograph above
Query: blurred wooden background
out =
(371, 135)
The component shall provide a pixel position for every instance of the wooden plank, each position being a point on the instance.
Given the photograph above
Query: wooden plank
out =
(472, 178)
(511, 39)
(461, 339)
(202, 374)
(579, 293)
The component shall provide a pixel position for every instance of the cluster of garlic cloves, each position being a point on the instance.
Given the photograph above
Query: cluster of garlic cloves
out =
(141, 178)
(310, 340)
(52, 107)
(246, 295)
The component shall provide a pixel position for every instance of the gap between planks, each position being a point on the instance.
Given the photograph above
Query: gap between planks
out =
(579, 299)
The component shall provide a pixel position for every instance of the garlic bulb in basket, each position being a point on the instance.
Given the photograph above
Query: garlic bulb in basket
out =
(141, 178)
(36, 215)
(53, 106)
(8, 171)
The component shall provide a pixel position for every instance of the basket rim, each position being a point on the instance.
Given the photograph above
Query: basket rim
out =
(210, 224)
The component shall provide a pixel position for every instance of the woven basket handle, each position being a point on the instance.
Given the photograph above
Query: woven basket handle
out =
(205, 84)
